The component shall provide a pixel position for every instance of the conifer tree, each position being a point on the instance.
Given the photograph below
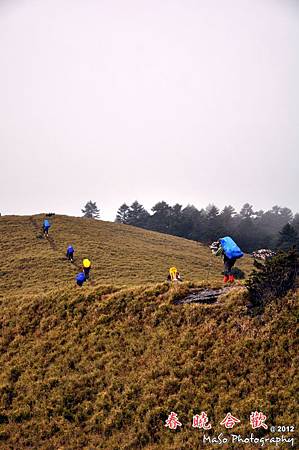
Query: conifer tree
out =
(246, 211)
(160, 220)
(288, 238)
(91, 210)
(213, 228)
(295, 222)
(122, 214)
(137, 215)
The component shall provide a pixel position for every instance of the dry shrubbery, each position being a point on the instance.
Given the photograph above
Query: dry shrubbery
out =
(273, 279)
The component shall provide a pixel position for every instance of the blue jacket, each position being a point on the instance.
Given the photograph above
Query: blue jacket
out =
(70, 249)
(230, 248)
(47, 223)
(80, 277)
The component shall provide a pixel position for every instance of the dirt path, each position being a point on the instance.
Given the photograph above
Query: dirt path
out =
(53, 246)
(34, 223)
(51, 242)
(38, 230)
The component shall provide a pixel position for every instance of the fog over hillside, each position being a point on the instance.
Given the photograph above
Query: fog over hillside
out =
(189, 102)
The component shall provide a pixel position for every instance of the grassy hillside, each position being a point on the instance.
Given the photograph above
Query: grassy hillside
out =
(103, 366)
(120, 254)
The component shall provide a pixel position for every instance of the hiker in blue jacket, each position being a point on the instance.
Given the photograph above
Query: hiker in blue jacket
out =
(46, 226)
(227, 248)
(80, 278)
(70, 253)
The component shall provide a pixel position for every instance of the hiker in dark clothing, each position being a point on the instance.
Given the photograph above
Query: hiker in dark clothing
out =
(227, 248)
(70, 253)
(46, 226)
(86, 267)
(228, 265)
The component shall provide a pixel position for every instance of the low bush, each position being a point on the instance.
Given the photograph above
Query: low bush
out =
(273, 278)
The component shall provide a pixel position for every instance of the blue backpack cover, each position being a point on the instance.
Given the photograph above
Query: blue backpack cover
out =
(70, 249)
(230, 248)
(46, 223)
(80, 277)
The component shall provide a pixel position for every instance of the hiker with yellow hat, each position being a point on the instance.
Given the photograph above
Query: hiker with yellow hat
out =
(86, 267)
(174, 275)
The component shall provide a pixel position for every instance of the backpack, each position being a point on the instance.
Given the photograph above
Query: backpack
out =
(80, 277)
(230, 248)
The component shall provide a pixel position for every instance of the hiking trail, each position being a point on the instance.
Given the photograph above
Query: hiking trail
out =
(38, 229)
(54, 247)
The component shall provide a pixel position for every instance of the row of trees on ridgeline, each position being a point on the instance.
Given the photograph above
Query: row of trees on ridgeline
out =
(276, 229)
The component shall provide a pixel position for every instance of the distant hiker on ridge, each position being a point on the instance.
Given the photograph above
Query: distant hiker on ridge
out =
(174, 275)
(80, 278)
(227, 248)
(46, 226)
(70, 253)
(86, 267)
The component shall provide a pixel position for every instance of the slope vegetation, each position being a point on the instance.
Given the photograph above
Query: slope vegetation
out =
(102, 367)
(120, 254)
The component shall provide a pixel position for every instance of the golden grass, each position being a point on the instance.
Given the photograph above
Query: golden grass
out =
(120, 254)
(101, 367)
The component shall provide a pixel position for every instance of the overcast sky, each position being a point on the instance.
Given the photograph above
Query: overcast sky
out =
(188, 101)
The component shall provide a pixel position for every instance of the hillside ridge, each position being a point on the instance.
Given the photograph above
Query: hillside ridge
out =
(120, 254)
(103, 367)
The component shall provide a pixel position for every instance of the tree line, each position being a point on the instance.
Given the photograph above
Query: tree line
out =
(275, 229)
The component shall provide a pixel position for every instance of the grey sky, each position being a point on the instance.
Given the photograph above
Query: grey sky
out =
(188, 101)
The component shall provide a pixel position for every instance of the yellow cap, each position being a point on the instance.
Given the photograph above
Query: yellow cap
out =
(86, 263)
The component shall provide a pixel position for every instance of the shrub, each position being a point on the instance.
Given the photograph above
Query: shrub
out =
(273, 278)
